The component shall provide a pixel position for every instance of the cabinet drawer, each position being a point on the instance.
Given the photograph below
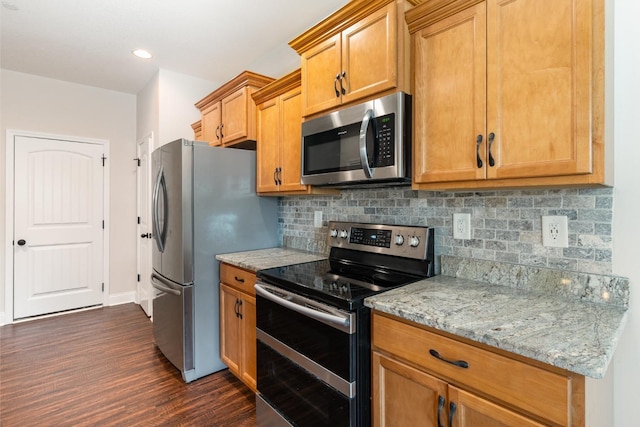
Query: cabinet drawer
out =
(238, 278)
(524, 386)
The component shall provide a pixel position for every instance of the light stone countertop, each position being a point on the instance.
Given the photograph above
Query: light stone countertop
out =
(268, 258)
(570, 333)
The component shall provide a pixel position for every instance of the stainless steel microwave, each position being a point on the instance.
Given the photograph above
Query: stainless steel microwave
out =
(368, 143)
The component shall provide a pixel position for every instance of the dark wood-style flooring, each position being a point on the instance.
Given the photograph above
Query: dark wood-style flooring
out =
(102, 368)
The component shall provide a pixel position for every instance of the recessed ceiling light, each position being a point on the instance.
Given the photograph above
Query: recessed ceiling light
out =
(141, 53)
(10, 5)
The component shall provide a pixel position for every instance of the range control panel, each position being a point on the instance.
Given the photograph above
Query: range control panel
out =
(397, 240)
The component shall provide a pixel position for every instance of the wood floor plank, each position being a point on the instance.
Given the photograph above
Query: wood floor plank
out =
(102, 368)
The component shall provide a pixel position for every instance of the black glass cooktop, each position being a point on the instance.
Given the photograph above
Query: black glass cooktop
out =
(343, 285)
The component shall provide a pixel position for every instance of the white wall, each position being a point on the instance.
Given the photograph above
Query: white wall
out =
(165, 106)
(37, 104)
(626, 221)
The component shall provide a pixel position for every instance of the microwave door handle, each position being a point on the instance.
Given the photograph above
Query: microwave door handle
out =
(154, 213)
(363, 143)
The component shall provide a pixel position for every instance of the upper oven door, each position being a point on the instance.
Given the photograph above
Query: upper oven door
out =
(366, 142)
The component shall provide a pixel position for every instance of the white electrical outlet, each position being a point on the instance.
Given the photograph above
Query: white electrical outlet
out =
(317, 219)
(462, 226)
(555, 231)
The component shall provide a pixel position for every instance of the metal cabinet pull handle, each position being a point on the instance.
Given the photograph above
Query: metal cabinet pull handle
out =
(343, 77)
(452, 412)
(478, 143)
(440, 407)
(279, 175)
(235, 308)
(239, 279)
(221, 134)
(335, 85)
(275, 173)
(492, 162)
(217, 129)
(239, 309)
(458, 363)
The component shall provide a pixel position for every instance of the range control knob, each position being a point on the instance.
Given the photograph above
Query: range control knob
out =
(414, 241)
(399, 239)
(333, 232)
(343, 234)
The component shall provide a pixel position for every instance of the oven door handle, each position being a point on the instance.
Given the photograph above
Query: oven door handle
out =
(264, 292)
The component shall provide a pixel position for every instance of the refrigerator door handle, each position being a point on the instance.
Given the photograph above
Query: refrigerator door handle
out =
(160, 235)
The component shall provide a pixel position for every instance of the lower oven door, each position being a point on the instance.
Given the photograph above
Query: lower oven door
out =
(306, 363)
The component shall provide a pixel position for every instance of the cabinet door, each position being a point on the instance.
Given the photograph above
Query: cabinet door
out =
(268, 146)
(404, 396)
(320, 68)
(291, 140)
(234, 116)
(369, 55)
(211, 124)
(229, 329)
(449, 98)
(539, 57)
(473, 411)
(248, 365)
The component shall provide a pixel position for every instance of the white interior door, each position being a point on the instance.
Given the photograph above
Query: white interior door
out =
(145, 296)
(58, 225)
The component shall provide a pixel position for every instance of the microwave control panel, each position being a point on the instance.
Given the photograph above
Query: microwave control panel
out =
(385, 133)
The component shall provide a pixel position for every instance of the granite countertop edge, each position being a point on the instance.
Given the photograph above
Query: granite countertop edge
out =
(577, 336)
(261, 259)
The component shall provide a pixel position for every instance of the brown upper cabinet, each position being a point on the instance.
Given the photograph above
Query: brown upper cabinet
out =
(508, 93)
(359, 52)
(279, 138)
(197, 130)
(229, 113)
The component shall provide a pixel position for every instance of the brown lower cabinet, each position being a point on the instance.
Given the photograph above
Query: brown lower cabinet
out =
(423, 378)
(238, 323)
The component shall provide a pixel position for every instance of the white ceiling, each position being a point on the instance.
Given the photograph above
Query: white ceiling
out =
(90, 41)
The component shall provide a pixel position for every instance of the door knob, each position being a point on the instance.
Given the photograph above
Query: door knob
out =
(22, 242)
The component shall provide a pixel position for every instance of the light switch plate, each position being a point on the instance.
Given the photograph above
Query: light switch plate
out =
(317, 219)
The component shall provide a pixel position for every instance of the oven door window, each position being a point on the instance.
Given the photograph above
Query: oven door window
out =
(327, 346)
(301, 397)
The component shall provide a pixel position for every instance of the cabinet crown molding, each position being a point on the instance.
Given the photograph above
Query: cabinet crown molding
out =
(278, 87)
(431, 11)
(246, 78)
(343, 18)
(197, 126)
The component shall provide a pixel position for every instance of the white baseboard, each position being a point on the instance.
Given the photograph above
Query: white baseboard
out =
(122, 298)
(117, 299)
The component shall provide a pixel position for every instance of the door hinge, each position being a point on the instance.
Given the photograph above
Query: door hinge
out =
(138, 277)
(138, 220)
(137, 159)
(103, 160)
(103, 224)
(103, 287)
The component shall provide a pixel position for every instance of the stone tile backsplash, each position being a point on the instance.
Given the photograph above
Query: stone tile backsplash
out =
(505, 225)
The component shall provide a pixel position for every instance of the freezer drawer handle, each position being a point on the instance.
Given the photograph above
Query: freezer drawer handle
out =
(156, 282)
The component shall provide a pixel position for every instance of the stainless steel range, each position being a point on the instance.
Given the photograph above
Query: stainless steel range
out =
(313, 330)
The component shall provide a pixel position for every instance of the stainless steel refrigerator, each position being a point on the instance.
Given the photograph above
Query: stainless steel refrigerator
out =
(204, 203)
